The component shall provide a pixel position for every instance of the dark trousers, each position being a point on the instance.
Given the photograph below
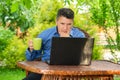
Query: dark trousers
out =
(33, 76)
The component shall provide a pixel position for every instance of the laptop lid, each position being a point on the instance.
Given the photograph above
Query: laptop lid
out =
(86, 54)
(70, 51)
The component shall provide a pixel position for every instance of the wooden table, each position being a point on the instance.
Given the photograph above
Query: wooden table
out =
(98, 70)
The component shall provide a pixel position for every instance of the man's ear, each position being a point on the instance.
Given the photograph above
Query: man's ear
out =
(56, 22)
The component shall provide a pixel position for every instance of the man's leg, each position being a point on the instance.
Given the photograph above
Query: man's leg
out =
(33, 76)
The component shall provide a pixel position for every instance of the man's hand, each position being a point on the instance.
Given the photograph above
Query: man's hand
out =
(30, 45)
(64, 33)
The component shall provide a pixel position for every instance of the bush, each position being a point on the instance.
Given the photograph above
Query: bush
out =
(47, 11)
(14, 52)
(5, 38)
(97, 53)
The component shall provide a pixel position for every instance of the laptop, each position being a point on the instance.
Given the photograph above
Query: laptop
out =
(71, 51)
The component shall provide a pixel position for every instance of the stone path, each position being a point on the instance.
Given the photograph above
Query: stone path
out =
(102, 41)
(108, 55)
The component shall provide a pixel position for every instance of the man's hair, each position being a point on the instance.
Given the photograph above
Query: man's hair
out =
(65, 12)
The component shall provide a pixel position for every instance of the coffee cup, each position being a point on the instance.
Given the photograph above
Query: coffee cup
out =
(37, 42)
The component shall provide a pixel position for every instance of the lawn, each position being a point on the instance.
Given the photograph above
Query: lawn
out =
(11, 74)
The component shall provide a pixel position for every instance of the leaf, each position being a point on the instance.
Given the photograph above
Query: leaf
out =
(14, 7)
(27, 3)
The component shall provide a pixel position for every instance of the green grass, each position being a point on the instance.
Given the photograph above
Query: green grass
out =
(11, 74)
(116, 77)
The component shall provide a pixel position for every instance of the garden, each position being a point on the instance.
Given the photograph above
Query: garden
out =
(22, 20)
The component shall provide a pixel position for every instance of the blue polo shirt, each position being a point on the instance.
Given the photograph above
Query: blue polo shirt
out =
(46, 36)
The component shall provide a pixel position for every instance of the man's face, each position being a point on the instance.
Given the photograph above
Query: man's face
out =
(64, 26)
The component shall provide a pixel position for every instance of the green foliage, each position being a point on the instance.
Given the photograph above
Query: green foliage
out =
(5, 38)
(105, 13)
(45, 15)
(14, 52)
(115, 13)
(100, 13)
(47, 11)
(97, 52)
(37, 30)
(17, 13)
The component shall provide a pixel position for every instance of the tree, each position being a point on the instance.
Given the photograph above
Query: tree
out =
(106, 13)
(16, 14)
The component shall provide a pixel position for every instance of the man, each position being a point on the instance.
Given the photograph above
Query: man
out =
(64, 28)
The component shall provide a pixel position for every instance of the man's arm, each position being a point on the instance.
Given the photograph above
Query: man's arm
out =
(30, 56)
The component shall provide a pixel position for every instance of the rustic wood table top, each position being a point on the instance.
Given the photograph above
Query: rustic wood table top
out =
(98, 67)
